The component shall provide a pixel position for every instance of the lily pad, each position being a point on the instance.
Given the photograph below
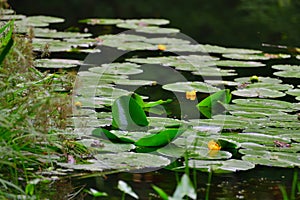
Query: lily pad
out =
(210, 105)
(231, 165)
(287, 67)
(123, 161)
(260, 80)
(101, 21)
(274, 159)
(134, 82)
(128, 114)
(56, 63)
(39, 21)
(271, 86)
(258, 92)
(221, 82)
(294, 92)
(146, 22)
(159, 139)
(288, 74)
(235, 63)
(213, 72)
(190, 86)
(48, 33)
(166, 40)
(117, 68)
(255, 56)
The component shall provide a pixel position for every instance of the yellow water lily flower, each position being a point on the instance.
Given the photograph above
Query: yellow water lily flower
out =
(212, 145)
(78, 104)
(161, 47)
(191, 95)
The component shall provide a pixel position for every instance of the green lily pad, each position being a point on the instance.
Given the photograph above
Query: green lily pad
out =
(56, 63)
(166, 40)
(260, 80)
(101, 145)
(159, 139)
(235, 63)
(231, 165)
(287, 67)
(6, 11)
(206, 154)
(190, 86)
(274, 159)
(258, 92)
(117, 68)
(212, 71)
(101, 21)
(271, 86)
(123, 161)
(128, 114)
(132, 161)
(157, 30)
(149, 21)
(134, 82)
(255, 137)
(294, 92)
(130, 46)
(39, 21)
(11, 17)
(48, 33)
(255, 56)
(288, 74)
(210, 105)
(122, 37)
(221, 82)
(266, 103)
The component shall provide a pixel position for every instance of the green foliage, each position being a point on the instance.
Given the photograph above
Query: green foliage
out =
(185, 188)
(211, 104)
(128, 114)
(126, 189)
(6, 40)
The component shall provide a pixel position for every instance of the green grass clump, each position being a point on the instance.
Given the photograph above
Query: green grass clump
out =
(32, 114)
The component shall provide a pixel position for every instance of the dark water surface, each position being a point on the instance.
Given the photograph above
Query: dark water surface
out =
(234, 23)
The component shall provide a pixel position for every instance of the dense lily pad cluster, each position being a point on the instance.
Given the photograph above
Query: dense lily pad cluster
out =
(249, 131)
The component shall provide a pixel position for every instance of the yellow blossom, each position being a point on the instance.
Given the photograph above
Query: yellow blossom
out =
(191, 95)
(212, 145)
(161, 47)
(78, 104)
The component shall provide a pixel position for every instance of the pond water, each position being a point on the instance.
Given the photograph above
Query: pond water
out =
(230, 23)
(234, 23)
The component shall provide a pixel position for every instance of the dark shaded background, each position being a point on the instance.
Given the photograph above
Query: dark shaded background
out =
(234, 23)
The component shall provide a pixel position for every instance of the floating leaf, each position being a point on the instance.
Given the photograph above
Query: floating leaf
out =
(271, 86)
(231, 165)
(56, 63)
(260, 79)
(128, 114)
(159, 139)
(190, 86)
(101, 132)
(258, 92)
(235, 63)
(287, 67)
(288, 74)
(101, 21)
(274, 159)
(211, 104)
(294, 92)
(265, 56)
(51, 33)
